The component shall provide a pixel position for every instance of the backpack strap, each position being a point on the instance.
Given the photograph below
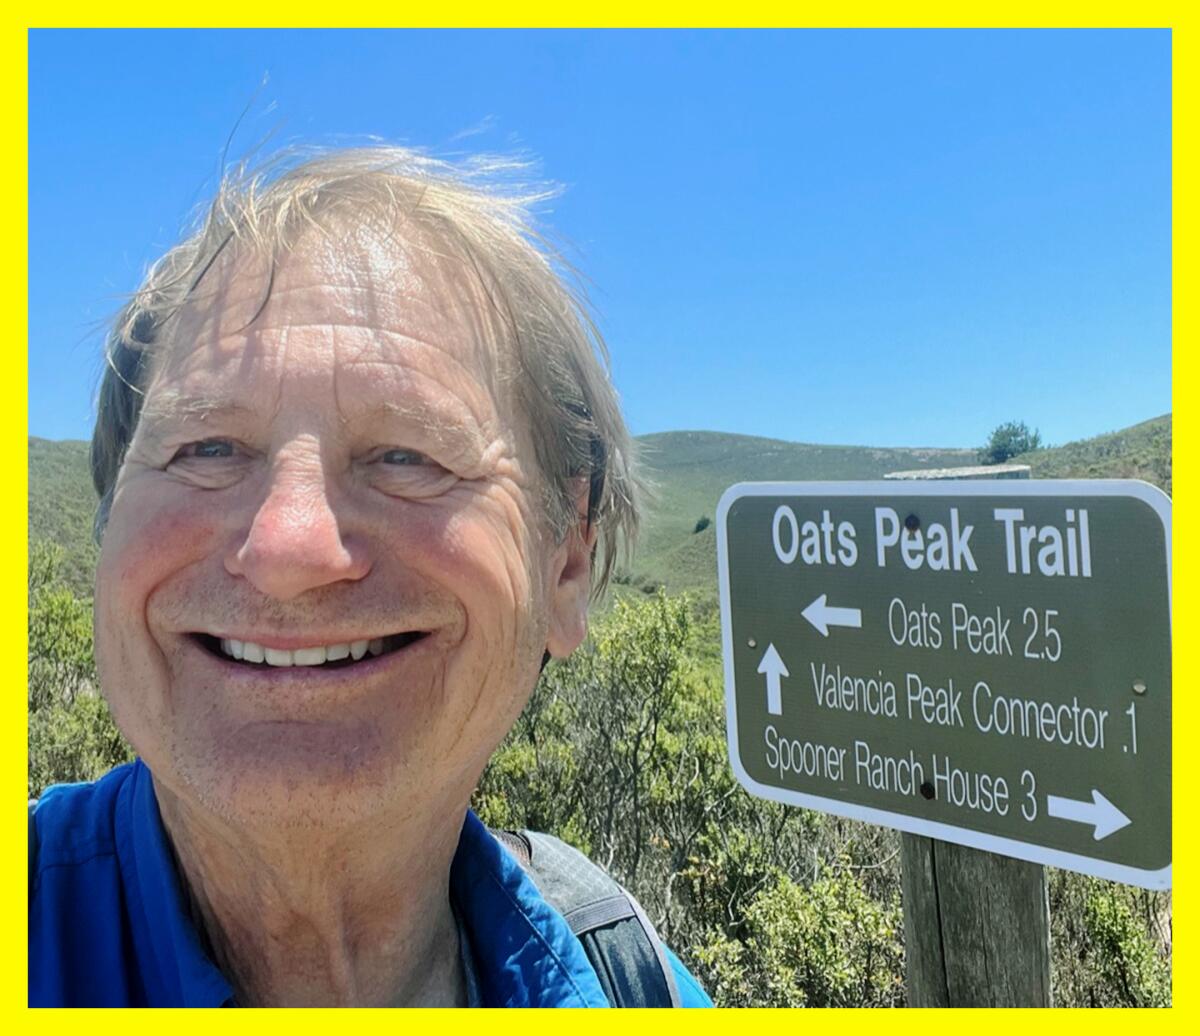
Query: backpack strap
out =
(620, 942)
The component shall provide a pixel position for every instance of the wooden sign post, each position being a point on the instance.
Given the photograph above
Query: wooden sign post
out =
(976, 925)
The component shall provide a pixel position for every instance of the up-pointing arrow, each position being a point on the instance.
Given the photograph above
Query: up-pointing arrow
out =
(1099, 812)
(773, 666)
(822, 616)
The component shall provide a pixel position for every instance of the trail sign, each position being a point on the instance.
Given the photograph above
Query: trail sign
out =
(987, 663)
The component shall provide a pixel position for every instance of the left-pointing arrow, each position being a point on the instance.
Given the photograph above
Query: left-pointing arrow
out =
(772, 665)
(1099, 812)
(823, 615)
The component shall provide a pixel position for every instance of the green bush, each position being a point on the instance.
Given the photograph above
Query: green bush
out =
(1009, 440)
(1111, 943)
(72, 736)
(1127, 960)
(826, 944)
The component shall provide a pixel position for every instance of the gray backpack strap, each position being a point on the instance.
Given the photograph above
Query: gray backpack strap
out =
(616, 934)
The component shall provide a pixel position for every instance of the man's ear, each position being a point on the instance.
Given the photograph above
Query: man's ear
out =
(571, 592)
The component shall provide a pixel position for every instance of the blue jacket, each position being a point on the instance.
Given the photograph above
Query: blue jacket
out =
(108, 924)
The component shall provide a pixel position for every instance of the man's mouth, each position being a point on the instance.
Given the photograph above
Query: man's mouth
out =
(333, 656)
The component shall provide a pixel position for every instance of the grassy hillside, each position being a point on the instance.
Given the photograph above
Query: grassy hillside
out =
(690, 471)
(61, 505)
(1143, 451)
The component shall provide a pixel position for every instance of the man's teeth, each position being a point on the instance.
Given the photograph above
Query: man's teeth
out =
(248, 651)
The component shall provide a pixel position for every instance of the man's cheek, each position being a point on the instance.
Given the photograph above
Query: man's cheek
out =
(133, 676)
(145, 541)
(467, 551)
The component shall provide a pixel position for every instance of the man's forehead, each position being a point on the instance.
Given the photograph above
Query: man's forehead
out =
(355, 278)
(381, 329)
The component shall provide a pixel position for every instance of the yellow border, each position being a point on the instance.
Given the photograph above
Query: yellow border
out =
(13, 415)
(13, 527)
(1183, 379)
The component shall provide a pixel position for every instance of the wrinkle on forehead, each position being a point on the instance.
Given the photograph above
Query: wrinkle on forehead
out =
(357, 278)
(170, 403)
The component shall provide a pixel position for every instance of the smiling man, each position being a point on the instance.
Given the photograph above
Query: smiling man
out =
(356, 449)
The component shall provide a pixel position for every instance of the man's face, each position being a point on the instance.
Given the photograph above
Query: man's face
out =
(341, 469)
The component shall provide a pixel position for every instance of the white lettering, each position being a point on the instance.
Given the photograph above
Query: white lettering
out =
(783, 513)
(803, 758)
(937, 547)
(962, 543)
(1009, 516)
(879, 772)
(883, 540)
(833, 689)
(967, 789)
(1060, 552)
(981, 636)
(916, 628)
(1065, 723)
(940, 706)
(847, 548)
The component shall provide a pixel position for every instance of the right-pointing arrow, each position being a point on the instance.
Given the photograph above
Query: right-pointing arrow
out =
(1100, 812)
(774, 668)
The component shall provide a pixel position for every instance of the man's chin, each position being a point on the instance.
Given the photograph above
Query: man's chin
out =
(311, 776)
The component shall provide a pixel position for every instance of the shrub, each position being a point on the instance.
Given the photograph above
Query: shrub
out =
(1111, 944)
(826, 944)
(1009, 440)
(1127, 961)
(72, 736)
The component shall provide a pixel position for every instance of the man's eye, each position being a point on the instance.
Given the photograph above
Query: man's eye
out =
(206, 448)
(401, 457)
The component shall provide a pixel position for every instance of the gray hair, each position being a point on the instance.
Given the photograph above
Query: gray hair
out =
(475, 210)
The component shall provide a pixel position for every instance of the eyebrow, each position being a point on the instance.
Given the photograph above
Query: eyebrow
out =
(434, 421)
(168, 405)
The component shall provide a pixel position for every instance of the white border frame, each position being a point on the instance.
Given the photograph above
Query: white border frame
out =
(1158, 501)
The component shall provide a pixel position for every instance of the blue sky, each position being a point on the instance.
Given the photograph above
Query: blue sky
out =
(881, 238)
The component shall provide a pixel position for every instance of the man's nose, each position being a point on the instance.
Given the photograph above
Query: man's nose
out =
(295, 542)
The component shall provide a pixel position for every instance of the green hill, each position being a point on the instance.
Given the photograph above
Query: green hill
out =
(1143, 451)
(688, 470)
(62, 504)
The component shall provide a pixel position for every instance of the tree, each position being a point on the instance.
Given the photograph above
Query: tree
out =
(72, 736)
(1009, 440)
